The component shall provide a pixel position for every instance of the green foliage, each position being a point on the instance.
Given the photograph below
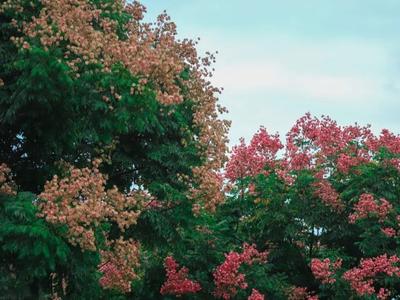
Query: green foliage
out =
(31, 250)
(52, 115)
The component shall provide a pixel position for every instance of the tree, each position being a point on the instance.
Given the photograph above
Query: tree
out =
(328, 207)
(105, 121)
(111, 150)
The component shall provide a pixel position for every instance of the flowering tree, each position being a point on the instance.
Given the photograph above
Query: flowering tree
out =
(111, 148)
(177, 282)
(327, 204)
(110, 132)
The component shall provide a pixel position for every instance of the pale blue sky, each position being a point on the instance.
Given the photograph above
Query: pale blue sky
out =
(280, 59)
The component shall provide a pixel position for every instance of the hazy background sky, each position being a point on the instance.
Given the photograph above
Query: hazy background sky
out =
(280, 59)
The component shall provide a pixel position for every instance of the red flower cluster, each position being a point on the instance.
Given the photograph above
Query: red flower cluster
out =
(250, 160)
(318, 145)
(367, 206)
(328, 194)
(388, 140)
(256, 295)
(227, 277)
(110, 272)
(389, 231)
(324, 269)
(119, 264)
(361, 278)
(383, 294)
(177, 282)
(313, 142)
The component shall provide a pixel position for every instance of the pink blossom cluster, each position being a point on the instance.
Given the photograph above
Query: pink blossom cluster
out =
(395, 162)
(110, 274)
(367, 206)
(324, 270)
(227, 277)
(300, 293)
(250, 160)
(256, 295)
(6, 184)
(345, 162)
(119, 264)
(154, 204)
(387, 140)
(328, 194)
(81, 201)
(316, 144)
(389, 231)
(312, 142)
(383, 294)
(361, 278)
(177, 282)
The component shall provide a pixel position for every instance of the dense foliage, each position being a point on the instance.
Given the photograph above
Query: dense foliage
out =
(327, 205)
(111, 151)
(109, 129)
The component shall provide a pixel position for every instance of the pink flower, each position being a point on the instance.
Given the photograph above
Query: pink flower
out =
(256, 295)
(361, 278)
(227, 277)
(328, 194)
(250, 160)
(313, 141)
(177, 282)
(383, 294)
(324, 269)
(389, 232)
(367, 206)
(300, 293)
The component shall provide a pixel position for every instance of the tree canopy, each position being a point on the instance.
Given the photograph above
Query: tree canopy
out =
(115, 181)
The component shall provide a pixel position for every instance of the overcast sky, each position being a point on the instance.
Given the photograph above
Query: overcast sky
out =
(280, 59)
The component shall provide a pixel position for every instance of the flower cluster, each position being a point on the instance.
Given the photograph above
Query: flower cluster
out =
(81, 202)
(325, 269)
(89, 34)
(256, 295)
(250, 160)
(361, 278)
(389, 231)
(209, 191)
(327, 194)
(119, 264)
(314, 142)
(367, 206)
(177, 282)
(89, 45)
(6, 184)
(300, 293)
(386, 140)
(227, 277)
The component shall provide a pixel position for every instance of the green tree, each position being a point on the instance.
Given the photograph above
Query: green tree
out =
(327, 207)
(84, 81)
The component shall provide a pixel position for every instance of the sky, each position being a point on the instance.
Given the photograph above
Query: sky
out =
(278, 60)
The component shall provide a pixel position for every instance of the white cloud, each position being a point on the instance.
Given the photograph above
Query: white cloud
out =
(275, 85)
(274, 77)
(336, 70)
